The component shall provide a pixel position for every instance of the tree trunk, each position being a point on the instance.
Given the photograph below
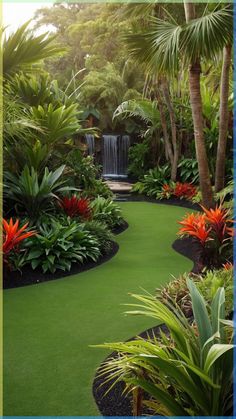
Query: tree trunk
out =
(196, 106)
(166, 94)
(168, 147)
(224, 119)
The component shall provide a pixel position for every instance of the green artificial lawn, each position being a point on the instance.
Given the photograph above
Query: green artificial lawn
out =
(48, 364)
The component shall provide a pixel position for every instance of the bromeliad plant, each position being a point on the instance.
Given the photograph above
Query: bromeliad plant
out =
(32, 193)
(178, 190)
(76, 207)
(13, 236)
(213, 229)
(186, 373)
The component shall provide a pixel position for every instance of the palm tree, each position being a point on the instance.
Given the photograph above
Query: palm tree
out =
(22, 49)
(168, 43)
(224, 118)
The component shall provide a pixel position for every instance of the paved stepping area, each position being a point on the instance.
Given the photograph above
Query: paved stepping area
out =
(119, 186)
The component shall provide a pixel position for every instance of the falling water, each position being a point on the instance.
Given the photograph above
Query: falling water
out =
(124, 144)
(115, 155)
(90, 143)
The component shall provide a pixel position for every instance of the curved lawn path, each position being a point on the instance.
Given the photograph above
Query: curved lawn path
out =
(49, 366)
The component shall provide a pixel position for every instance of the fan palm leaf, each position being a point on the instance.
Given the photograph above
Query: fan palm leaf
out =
(166, 43)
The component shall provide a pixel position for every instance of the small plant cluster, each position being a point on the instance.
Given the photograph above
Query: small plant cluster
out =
(81, 232)
(208, 283)
(177, 190)
(156, 184)
(213, 230)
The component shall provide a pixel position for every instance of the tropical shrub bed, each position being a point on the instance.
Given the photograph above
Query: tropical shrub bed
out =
(57, 210)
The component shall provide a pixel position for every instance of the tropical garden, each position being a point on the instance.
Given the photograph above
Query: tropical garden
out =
(140, 93)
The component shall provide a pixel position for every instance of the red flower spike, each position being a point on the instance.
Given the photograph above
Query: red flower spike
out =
(217, 218)
(75, 207)
(12, 236)
(195, 225)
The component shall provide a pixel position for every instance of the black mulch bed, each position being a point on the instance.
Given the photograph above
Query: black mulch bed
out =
(28, 276)
(114, 403)
(172, 201)
(17, 279)
(192, 250)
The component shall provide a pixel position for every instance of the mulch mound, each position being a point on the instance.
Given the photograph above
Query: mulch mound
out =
(28, 276)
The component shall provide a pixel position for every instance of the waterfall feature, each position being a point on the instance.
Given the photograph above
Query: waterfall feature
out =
(115, 155)
(90, 143)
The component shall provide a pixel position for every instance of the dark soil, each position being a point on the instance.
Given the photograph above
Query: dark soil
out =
(28, 276)
(114, 403)
(190, 248)
(172, 201)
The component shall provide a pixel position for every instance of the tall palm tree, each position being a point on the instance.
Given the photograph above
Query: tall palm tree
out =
(168, 43)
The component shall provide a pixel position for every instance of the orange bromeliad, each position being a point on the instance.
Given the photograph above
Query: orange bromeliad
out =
(13, 235)
(218, 219)
(195, 225)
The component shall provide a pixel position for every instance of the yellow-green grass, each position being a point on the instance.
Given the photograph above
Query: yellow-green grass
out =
(48, 364)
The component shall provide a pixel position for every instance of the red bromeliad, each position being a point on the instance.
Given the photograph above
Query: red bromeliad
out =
(179, 190)
(184, 190)
(13, 235)
(75, 206)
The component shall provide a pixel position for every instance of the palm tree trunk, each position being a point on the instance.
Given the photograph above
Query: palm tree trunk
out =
(166, 94)
(224, 118)
(168, 147)
(196, 106)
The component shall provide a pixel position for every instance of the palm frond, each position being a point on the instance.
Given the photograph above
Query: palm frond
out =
(22, 48)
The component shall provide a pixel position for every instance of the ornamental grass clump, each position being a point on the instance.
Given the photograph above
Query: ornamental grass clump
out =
(187, 372)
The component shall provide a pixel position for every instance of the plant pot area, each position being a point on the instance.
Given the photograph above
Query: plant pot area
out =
(118, 217)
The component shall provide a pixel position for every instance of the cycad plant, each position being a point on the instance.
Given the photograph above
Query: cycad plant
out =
(186, 373)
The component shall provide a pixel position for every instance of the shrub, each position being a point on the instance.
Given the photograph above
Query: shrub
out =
(188, 372)
(76, 207)
(138, 164)
(213, 230)
(86, 175)
(101, 232)
(208, 284)
(58, 245)
(152, 182)
(189, 170)
(33, 194)
(106, 211)
(177, 190)
(13, 236)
